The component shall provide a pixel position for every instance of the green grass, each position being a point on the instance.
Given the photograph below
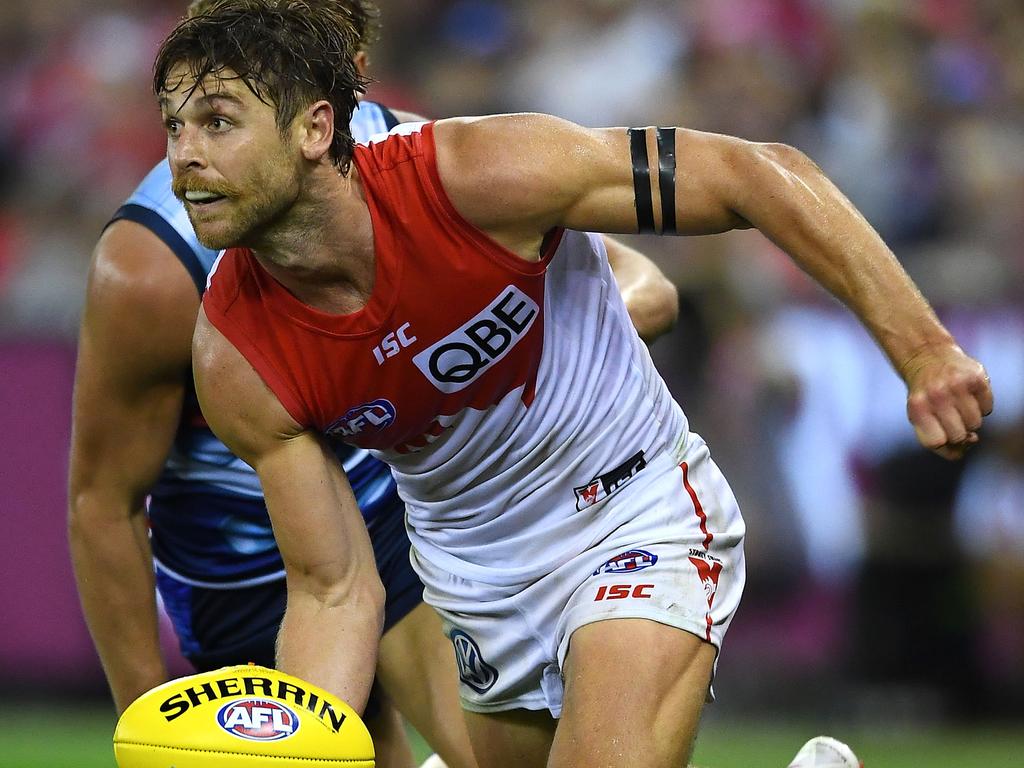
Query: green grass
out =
(57, 738)
(752, 745)
(75, 738)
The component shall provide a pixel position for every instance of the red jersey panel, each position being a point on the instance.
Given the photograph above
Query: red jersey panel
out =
(454, 320)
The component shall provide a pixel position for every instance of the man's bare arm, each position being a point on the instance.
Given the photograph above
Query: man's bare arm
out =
(134, 358)
(335, 610)
(542, 172)
(652, 300)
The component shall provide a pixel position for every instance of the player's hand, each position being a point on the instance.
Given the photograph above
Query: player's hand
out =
(948, 396)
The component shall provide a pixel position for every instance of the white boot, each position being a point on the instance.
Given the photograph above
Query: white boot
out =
(434, 762)
(825, 752)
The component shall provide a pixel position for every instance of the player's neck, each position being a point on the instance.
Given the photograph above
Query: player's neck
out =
(322, 251)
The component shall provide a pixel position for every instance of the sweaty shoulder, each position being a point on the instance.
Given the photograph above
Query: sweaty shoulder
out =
(140, 298)
(237, 404)
(519, 172)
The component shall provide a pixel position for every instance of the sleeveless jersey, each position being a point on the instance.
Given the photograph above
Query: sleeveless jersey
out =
(510, 398)
(207, 519)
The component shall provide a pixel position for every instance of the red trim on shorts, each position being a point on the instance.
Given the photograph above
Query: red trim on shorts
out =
(697, 508)
(703, 570)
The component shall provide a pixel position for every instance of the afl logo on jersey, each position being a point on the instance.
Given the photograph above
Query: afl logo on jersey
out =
(473, 670)
(628, 562)
(465, 354)
(258, 719)
(367, 418)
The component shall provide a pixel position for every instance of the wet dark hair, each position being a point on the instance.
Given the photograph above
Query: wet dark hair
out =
(365, 16)
(289, 53)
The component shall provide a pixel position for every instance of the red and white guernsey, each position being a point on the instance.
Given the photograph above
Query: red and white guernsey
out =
(511, 399)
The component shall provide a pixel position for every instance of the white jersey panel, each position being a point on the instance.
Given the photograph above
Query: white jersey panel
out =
(510, 493)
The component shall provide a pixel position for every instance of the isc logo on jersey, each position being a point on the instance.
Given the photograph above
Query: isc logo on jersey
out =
(258, 720)
(465, 354)
(366, 418)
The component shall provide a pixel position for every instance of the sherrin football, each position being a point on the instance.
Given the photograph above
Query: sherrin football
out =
(241, 717)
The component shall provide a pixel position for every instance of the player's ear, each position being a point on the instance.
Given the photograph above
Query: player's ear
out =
(362, 62)
(316, 130)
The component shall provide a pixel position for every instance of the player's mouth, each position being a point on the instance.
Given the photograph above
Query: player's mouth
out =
(201, 199)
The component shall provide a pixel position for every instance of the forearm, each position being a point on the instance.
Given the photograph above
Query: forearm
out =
(333, 640)
(114, 571)
(792, 202)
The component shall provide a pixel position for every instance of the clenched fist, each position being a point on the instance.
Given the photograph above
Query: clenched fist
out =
(948, 395)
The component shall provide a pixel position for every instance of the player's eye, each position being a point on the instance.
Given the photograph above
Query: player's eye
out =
(218, 124)
(172, 126)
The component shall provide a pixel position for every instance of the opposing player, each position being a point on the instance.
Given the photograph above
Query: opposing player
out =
(138, 432)
(426, 298)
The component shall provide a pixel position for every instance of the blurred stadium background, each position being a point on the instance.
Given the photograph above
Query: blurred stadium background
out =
(885, 601)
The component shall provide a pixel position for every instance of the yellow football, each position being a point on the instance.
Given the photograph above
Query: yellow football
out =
(241, 717)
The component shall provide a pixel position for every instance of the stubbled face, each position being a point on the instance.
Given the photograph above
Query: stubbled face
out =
(235, 173)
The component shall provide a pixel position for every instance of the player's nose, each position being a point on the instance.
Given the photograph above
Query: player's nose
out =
(187, 151)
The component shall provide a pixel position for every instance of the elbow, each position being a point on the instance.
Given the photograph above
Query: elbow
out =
(94, 506)
(777, 154)
(372, 595)
(668, 304)
(769, 182)
(659, 312)
(79, 504)
(357, 589)
(367, 597)
(782, 160)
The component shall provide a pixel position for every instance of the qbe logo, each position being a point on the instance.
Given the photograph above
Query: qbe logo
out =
(473, 670)
(367, 418)
(258, 719)
(464, 355)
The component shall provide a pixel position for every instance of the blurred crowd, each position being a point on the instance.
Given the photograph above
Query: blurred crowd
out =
(895, 575)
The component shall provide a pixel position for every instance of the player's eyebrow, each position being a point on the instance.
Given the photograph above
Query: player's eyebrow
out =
(208, 100)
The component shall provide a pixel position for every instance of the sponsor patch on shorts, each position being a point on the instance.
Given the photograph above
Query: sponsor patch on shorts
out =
(604, 485)
(473, 670)
(627, 562)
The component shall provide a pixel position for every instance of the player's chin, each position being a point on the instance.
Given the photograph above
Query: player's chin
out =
(218, 235)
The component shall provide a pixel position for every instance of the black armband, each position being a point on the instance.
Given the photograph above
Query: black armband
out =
(641, 180)
(667, 178)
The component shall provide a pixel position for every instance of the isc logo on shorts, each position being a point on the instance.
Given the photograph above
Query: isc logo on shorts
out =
(623, 591)
(258, 719)
(465, 354)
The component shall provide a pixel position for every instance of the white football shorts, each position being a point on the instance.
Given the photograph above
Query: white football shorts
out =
(677, 561)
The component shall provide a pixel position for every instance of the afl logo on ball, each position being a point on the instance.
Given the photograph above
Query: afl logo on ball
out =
(258, 719)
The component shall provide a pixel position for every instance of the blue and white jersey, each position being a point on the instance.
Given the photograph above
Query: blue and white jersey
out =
(208, 521)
